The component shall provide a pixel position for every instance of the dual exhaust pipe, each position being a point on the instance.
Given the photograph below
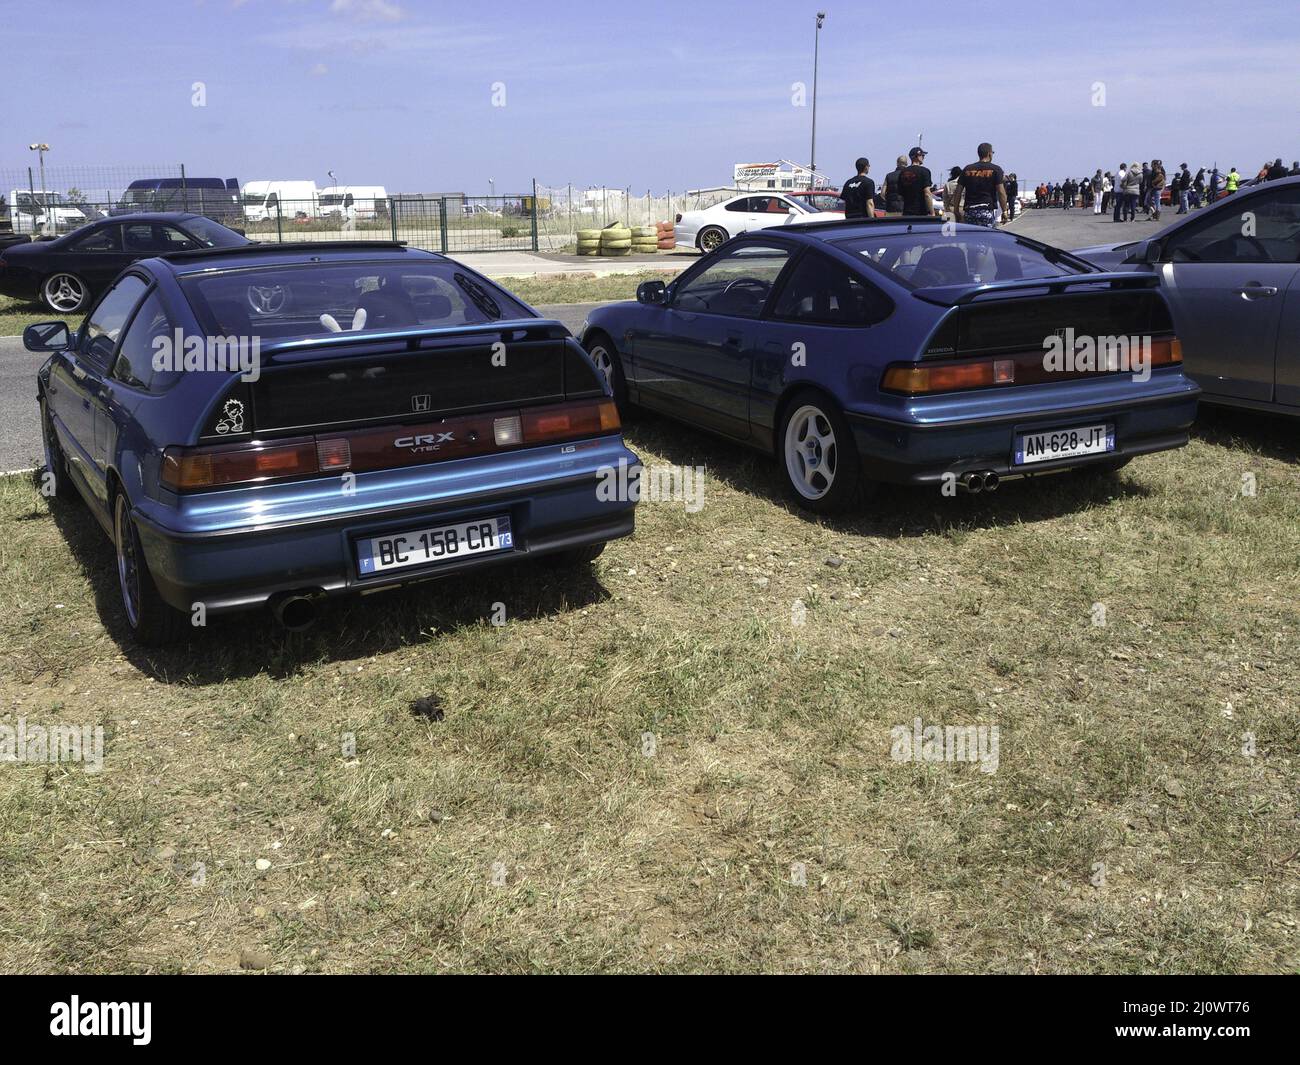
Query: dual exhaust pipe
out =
(975, 481)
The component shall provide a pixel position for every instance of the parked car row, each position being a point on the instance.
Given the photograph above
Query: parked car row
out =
(381, 442)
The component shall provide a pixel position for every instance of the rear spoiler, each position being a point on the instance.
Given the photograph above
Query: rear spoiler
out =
(343, 344)
(961, 295)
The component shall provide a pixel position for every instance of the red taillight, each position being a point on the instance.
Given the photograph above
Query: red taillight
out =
(1023, 368)
(390, 447)
(183, 469)
(569, 421)
(1166, 352)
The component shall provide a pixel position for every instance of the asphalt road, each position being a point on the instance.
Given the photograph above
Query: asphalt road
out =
(20, 431)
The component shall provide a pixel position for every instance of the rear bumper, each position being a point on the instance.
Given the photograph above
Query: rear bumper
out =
(210, 553)
(927, 451)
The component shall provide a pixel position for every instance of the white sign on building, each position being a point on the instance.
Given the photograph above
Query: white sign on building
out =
(782, 174)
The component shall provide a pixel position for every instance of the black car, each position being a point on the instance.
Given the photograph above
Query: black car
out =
(67, 273)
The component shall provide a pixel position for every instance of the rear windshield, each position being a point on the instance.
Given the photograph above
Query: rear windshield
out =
(320, 299)
(213, 234)
(930, 259)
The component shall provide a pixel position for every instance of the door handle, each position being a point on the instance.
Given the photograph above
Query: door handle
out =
(733, 340)
(86, 403)
(1254, 288)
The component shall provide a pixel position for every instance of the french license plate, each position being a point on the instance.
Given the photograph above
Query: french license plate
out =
(1054, 444)
(438, 543)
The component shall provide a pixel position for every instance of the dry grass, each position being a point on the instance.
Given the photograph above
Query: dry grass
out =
(530, 829)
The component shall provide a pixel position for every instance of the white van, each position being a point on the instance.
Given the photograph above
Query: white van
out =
(293, 199)
(354, 203)
(42, 212)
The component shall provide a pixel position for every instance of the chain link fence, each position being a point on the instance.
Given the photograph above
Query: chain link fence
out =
(58, 199)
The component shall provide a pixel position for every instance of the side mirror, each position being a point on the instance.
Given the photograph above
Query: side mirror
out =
(1147, 252)
(652, 292)
(47, 336)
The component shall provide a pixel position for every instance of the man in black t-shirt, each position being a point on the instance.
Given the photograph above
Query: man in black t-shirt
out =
(859, 193)
(981, 191)
(914, 183)
(894, 202)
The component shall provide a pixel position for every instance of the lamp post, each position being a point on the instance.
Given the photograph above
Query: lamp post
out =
(817, 36)
(42, 148)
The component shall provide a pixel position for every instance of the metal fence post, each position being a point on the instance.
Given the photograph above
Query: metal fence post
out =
(442, 223)
(534, 214)
(392, 215)
(279, 227)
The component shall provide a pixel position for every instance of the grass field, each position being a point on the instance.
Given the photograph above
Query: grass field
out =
(680, 760)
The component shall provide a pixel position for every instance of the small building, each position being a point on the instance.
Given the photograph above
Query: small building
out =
(782, 174)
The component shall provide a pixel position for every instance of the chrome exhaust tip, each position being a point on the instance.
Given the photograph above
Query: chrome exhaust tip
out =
(973, 483)
(294, 611)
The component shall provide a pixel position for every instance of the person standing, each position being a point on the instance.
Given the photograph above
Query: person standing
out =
(1277, 170)
(1098, 191)
(1182, 185)
(914, 182)
(1157, 184)
(1233, 181)
(893, 201)
(1107, 191)
(1198, 187)
(1013, 192)
(982, 192)
(1132, 190)
(1120, 178)
(950, 193)
(859, 193)
(1295, 168)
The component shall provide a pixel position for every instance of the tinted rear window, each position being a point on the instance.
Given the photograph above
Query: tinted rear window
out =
(320, 299)
(930, 259)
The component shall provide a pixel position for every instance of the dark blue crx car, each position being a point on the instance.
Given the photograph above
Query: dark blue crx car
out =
(903, 350)
(280, 423)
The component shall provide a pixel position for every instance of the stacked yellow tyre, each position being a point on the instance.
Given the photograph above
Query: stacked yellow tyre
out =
(615, 240)
(665, 236)
(589, 241)
(645, 240)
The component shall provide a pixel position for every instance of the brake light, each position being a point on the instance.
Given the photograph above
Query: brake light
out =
(1167, 352)
(570, 420)
(389, 447)
(916, 380)
(1023, 368)
(183, 469)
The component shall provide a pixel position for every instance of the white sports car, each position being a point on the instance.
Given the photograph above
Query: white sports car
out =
(709, 228)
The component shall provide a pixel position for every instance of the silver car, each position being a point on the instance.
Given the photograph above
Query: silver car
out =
(1231, 274)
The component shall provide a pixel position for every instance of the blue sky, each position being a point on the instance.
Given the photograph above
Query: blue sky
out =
(660, 96)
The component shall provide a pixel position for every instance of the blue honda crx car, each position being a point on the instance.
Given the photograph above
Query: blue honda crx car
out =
(903, 350)
(279, 423)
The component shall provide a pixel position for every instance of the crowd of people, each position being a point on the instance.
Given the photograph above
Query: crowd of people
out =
(979, 193)
(1142, 186)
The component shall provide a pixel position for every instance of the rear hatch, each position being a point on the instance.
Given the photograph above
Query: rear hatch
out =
(326, 384)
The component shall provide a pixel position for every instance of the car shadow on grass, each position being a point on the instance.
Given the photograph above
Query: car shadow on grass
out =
(348, 627)
(1272, 435)
(894, 510)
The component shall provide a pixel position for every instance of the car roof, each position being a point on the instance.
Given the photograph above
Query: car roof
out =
(152, 216)
(293, 253)
(832, 230)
